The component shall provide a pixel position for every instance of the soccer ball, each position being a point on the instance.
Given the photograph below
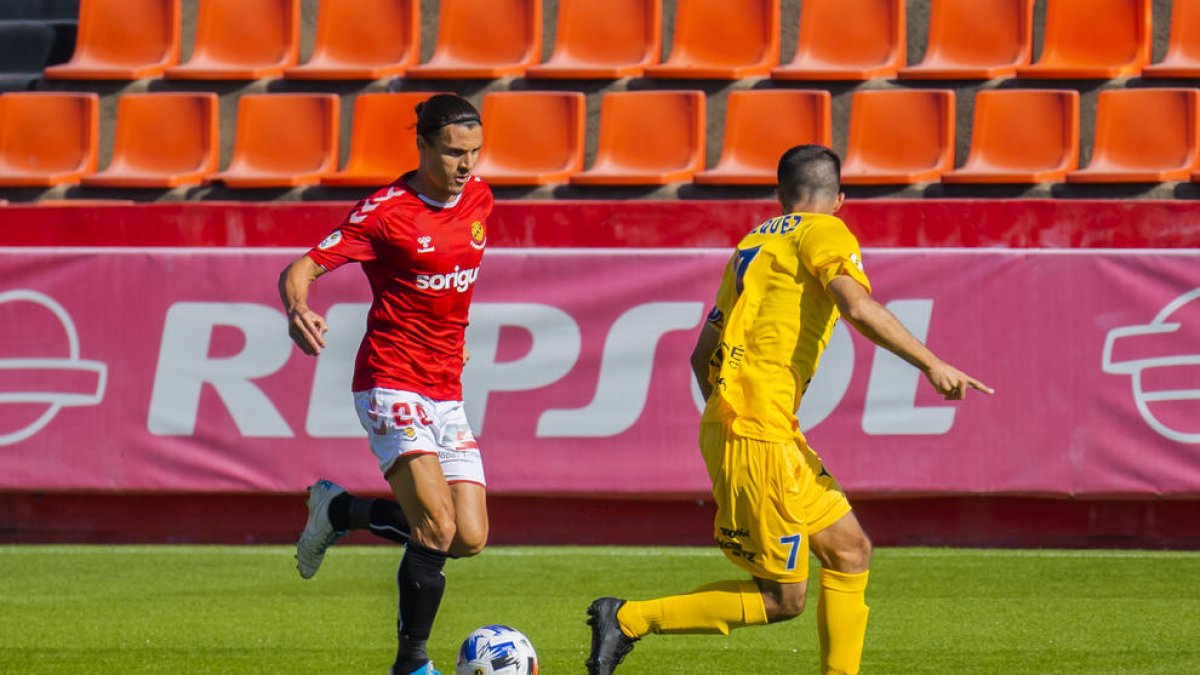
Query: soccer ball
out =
(496, 650)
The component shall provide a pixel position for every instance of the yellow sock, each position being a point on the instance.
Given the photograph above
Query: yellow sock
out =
(714, 608)
(842, 621)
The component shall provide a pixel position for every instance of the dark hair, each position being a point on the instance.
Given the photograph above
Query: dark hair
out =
(809, 171)
(443, 110)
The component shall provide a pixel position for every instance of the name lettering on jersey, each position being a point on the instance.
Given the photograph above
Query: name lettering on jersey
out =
(425, 244)
(778, 225)
(460, 280)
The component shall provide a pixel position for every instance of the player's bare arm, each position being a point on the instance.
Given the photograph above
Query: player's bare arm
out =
(306, 327)
(706, 346)
(882, 327)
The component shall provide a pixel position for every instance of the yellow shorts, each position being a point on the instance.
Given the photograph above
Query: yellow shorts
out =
(770, 497)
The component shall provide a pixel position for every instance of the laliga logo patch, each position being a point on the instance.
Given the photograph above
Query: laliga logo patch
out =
(1162, 359)
(478, 234)
(330, 241)
(41, 368)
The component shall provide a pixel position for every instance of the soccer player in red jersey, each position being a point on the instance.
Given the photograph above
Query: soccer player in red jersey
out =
(420, 241)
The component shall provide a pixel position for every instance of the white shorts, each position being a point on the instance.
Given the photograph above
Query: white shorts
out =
(400, 423)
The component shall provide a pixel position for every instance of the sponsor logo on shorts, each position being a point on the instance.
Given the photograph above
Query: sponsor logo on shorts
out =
(734, 548)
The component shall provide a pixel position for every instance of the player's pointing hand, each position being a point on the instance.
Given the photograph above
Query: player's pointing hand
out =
(307, 330)
(952, 383)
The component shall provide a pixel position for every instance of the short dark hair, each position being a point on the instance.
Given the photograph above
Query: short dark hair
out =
(809, 171)
(443, 110)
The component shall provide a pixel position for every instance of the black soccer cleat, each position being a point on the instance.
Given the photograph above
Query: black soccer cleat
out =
(609, 643)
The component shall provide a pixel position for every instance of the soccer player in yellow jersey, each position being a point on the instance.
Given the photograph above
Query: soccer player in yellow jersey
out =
(782, 292)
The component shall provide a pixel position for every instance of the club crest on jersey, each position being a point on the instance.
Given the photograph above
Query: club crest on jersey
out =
(425, 244)
(478, 234)
(330, 241)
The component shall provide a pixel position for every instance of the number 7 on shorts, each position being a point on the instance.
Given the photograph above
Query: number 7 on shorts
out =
(794, 540)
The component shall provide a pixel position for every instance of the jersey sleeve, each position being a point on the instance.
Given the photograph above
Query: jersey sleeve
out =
(352, 241)
(829, 250)
(489, 200)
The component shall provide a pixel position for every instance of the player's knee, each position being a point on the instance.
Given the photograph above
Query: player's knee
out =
(859, 555)
(783, 601)
(437, 529)
(852, 556)
(786, 608)
(468, 544)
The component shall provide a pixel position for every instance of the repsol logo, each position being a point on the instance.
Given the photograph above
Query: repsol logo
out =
(460, 280)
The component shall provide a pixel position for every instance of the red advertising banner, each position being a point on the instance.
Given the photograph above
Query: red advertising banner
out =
(171, 370)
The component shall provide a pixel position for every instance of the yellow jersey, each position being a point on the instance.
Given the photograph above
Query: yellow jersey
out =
(775, 318)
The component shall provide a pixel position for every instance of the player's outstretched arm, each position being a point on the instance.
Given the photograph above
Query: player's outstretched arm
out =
(306, 327)
(882, 327)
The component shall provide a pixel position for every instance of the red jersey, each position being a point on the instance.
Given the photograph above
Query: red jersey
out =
(421, 258)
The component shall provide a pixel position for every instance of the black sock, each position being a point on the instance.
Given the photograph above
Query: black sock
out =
(382, 517)
(421, 584)
(339, 511)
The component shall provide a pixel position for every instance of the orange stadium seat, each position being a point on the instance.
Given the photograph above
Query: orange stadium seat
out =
(899, 136)
(47, 139)
(1096, 39)
(283, 140)
(760, 125)
(163, 140)
(1022, 136)
(975, 40)
(648, 138)
(534, 137)
(1183, 48)
(362, 40)
(122, 40)
(1144, 136)
(383, 139)
(847, 40)
(712, 42)
(484, 39)
(604, 39)
(242, 40)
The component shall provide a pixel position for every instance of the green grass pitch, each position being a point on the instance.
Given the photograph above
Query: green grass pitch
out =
(198, 609)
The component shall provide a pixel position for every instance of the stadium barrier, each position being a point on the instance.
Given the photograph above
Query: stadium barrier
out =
(172, 375)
